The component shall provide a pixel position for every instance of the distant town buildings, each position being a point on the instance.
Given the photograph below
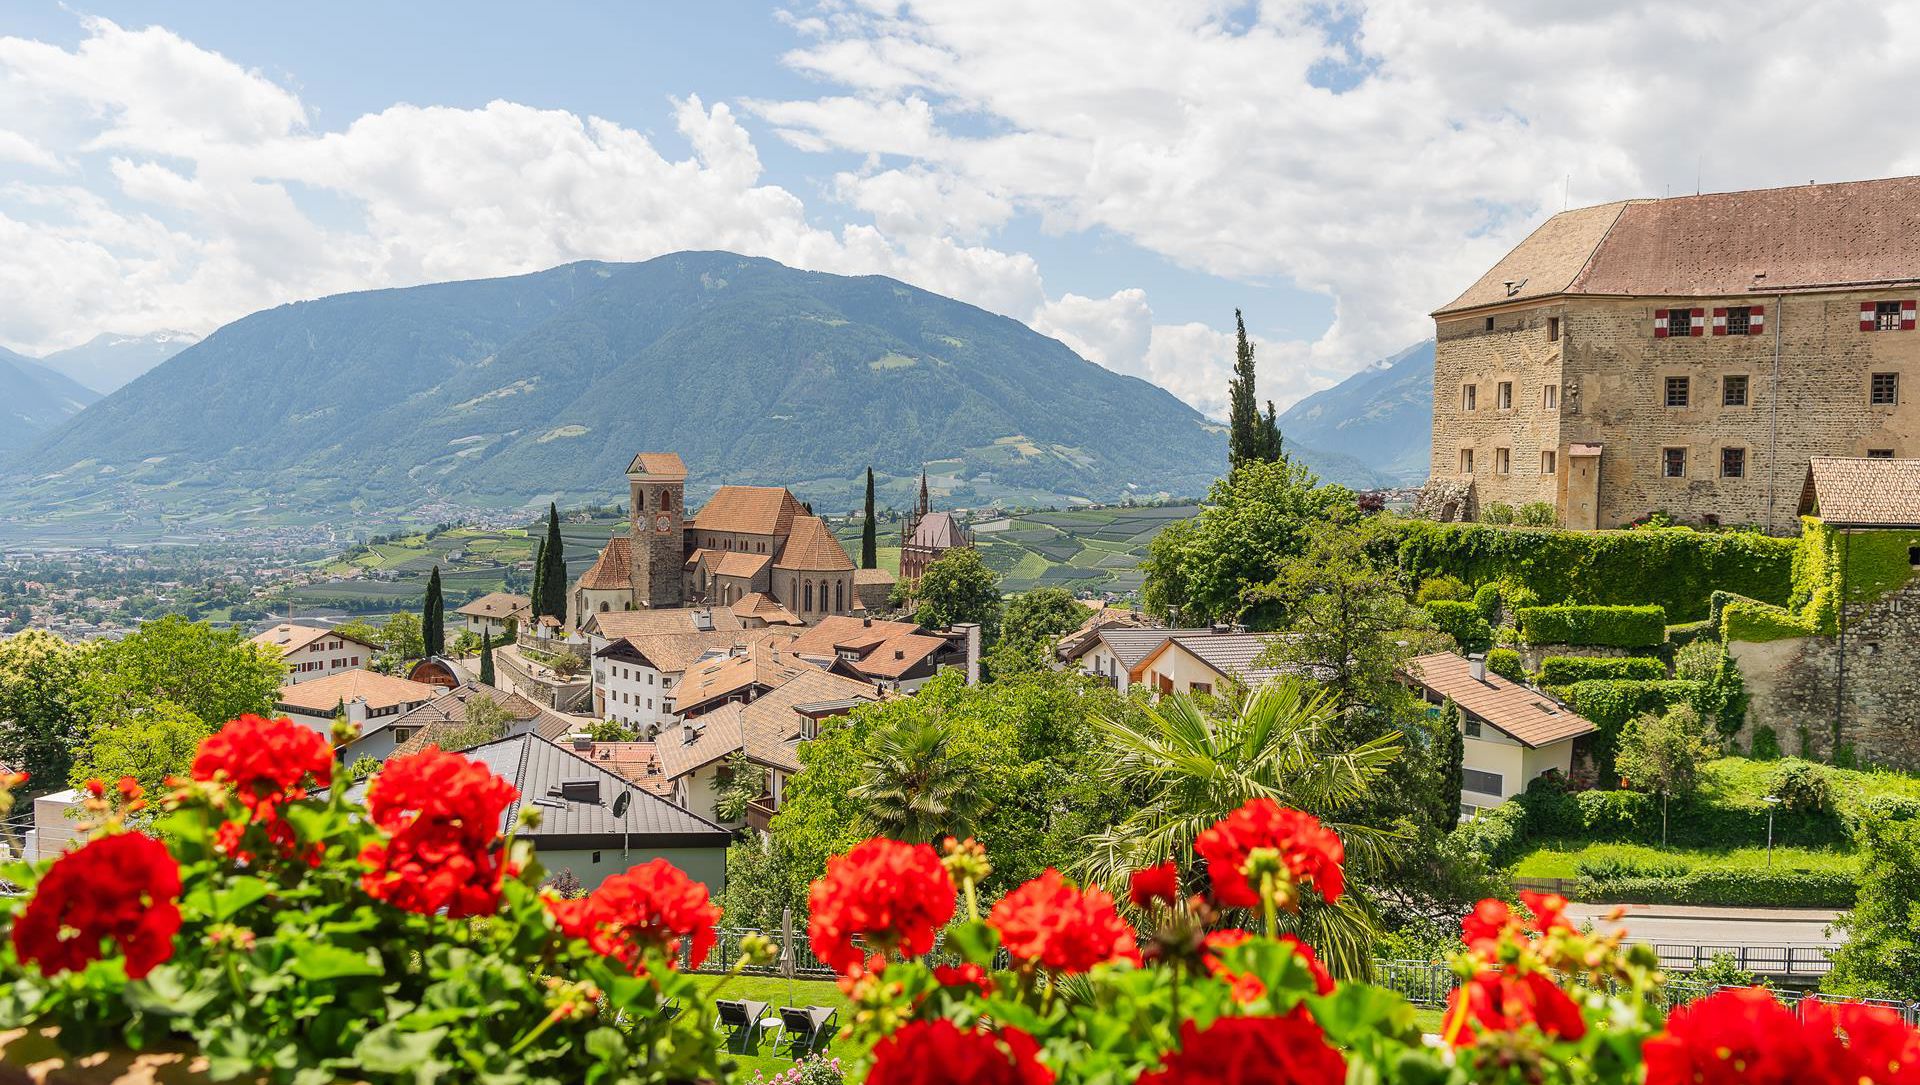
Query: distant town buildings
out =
(1687, 355)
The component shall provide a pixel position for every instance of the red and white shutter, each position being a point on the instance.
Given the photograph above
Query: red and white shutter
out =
(1699, 325)
(1866, 316)
(1720, 321)
(1906, 315)
(1757, 320)
(1659, 323)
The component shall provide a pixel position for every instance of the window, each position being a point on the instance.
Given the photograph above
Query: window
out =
(1879, 453)
(1673, 463)
(1547, 466)
(1739, 320)
(596, 857)
(1469, 397)
(1884, 389)
(1473, 727)
(1677, 391)
(1679, 322)
(1886, 316)
(1502, 461)
(1553, 329)
(1733, 463)
(1549, 397)
(1489, 324)
(1200, 687)
(1733, 391)
(1466, 461)
(1503, 396)
(1481, 781)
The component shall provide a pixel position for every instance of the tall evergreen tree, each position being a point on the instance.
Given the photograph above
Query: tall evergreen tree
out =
(1244, 437)
(539, 579)
(1272, 445)
(1453, 771)
(433, 629)
(486, 657)
(870, 533)
(553, 595)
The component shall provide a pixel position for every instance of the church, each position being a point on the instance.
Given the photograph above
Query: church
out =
(749, 548)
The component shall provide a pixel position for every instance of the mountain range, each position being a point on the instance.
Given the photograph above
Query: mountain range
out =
(107, 361)
(34, 399)
(1373, 429)
(503, 394)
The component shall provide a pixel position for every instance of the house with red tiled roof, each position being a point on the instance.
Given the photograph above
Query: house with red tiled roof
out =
(312, 651)
(895, 656)
(1513, 732)
(360, 694)
(1690, 355)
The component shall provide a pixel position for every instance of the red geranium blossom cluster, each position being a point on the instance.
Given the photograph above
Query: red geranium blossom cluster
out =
(893, 896)
(1251, 1051)
(938, 1052)
(1511, 987)
(651, 906)
(441, 813)
(1307, 852)
(1153, 885)
(120, 887)
(1745, 1035)
(1066, 930)
(268, 763)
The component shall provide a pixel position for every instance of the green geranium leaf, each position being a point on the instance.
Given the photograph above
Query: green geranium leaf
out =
(388, 1050)
(241, 891)
(975, 941)
(325, 962)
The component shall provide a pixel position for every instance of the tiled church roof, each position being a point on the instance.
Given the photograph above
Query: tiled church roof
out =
(812, 548)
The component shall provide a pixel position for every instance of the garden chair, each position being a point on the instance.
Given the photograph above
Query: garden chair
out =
(742, 1021)
(807, 1029)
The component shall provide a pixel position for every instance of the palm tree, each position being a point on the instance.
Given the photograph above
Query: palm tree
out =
(1190, 769)
(914, 789)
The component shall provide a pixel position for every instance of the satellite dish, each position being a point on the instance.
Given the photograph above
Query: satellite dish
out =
(621, 802)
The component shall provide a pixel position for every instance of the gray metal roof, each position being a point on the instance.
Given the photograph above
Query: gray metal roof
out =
(537, 768)
(1234, 653)
(1130, 646)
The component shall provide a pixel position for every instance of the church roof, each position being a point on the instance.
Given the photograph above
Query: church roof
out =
(613, 570)
(659, 466)
(813, 548)
(939, 531)
(748, 510)
(764, 607)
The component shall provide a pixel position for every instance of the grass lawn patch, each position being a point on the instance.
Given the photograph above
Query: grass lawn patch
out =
(775, 992)
(1562, 858)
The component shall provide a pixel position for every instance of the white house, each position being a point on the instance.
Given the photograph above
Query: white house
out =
(1206, 662)
(491, 612)
(1111, 652)
(312, 652)
(1513, 731)
(639, 657)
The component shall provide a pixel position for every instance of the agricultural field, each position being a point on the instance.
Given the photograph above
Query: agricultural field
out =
(1095, 550)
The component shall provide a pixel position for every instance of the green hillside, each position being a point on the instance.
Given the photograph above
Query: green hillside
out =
(428, 403)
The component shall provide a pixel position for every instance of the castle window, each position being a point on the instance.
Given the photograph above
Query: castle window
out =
(1676, 391)
(1733, 391)
(1466, 461)
(1884, 389)
(1549, 397)
(1469, 397)
(1676, 322)
(1673, 463)
(1489, 324)
(1503, 396)
(1546, 462)
(1733, 463)
(1502, 461)
(1879, 453)
(1553, 329)
(1886, 316)
(839, 595)
(1739, 321)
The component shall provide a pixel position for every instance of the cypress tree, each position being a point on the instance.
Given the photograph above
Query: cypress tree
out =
(433, 618)
(1453, 773)
(1245, 436)
(870, 534)
(539, 578)
(1272, 445)
(486, 657)
(553, 595)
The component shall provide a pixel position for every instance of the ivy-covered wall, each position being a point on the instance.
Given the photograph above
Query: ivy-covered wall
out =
(1866, 565)
(1676, 568)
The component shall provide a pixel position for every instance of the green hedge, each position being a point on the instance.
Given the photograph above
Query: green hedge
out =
(1633, 817)
(1566, 670)
(1611, 702)
(1461, 621)
(1756, 622)
(1601, 626)
(1498, 834)
(1506, 663)
(1729, 888)
(1677, 568)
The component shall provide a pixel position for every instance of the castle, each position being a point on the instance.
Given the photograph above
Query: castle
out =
(754, 549)
(1687, 355)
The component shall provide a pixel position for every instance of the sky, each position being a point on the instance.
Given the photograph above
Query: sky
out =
(1121, 176)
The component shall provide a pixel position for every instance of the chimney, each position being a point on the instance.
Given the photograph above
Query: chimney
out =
(1477, 666)
(582, 741)
(972, 632)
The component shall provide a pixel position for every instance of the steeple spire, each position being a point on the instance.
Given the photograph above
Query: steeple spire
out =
(925, 505)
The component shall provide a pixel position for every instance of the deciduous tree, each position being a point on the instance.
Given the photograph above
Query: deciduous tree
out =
(149, 743)
(1663, 754)
(42, 717)
(958, 587)
(1040, 615)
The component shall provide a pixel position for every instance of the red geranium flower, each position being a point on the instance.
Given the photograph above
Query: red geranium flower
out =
(1310, 851)
(121, 887)
(1739, 1035)
(1063, 928)
(1503, 1001)
(1251, 1051)
(1880, 1047)
(963, 975)
(442, 816)
(268, 763)
(1549, 911)
(938, 1052)
(655, 906)
(895, 896)
(1154, 885)
(1483, 927)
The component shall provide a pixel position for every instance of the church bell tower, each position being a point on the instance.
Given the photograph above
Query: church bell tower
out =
(656, 524)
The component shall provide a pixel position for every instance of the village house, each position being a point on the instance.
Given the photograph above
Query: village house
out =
(361, 695)
(1513, 732)
(443, 722)
(895, 656)
(639, 656)
(493, 612)
(1687, 355)
(311, 651)
(1111, 652)
(1206, 662)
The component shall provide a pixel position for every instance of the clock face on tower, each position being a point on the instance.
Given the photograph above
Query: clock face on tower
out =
(662, 523)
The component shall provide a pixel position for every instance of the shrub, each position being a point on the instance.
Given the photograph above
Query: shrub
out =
(1601, 626)
(1486, 600)
(1566, 670)
(1498, 512)
(1539, 514)
(1608, 867)
(1505, 662)
(1697, 662)
(1441, 587)
(1803, 788)
(1730, 888)
(1766, 744)
(1496, 835)
(1461, 621)
(1611, 702)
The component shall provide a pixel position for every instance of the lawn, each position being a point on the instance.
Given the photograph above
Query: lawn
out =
(1562, 858)
(1744, 782)
(775, 992)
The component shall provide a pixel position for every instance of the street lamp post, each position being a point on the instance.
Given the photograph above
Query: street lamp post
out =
(1772, 801)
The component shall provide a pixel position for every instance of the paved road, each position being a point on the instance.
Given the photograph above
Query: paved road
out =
(1716, 926)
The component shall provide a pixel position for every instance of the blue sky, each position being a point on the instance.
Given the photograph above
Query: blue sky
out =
(1120, 176)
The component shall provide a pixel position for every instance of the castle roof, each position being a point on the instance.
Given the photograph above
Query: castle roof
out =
(659, 466)
(613, 569)
(748, 510)
(1761, 241)
(812, 548)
